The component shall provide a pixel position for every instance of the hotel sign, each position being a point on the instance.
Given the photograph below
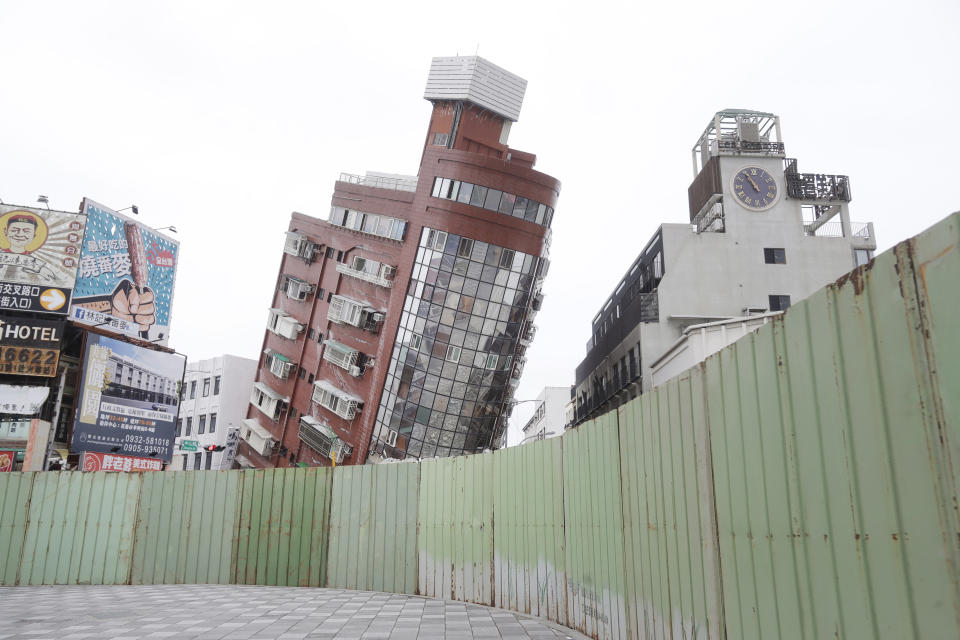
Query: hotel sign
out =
(30, 347)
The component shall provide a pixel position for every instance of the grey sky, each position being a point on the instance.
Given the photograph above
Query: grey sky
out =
(223, 117)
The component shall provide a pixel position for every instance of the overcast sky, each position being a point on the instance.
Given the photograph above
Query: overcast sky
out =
(223, 117)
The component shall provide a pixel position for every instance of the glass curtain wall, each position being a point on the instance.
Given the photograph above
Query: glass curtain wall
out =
(449, 373)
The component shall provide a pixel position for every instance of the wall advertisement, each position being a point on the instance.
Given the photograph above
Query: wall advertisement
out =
(126, 275)
(39, 256)
(30, 347)
(7, 458)
(128, 399)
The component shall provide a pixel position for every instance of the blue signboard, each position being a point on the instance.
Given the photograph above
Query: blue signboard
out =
(126, 276)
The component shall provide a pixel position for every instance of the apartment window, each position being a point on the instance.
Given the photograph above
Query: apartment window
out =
(320, 293)
(862, 256)
(213, 422)
(779, 302)
(453, 354)
(331, 252)
(189, 426)
(196, 460)
(774, 256)
(491, 362)
(216, 386)
(206, 387)
(179, 427)
(415, 341)
(202, 425)
(312, 334)
(208, 460)
(465, 248)
(440, 139)
(193, 389)
(310, 378)
(303, 373)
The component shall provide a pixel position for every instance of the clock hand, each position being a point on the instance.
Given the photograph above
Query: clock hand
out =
(753, 183)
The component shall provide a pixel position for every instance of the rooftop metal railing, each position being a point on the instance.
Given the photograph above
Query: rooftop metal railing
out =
(381, 182)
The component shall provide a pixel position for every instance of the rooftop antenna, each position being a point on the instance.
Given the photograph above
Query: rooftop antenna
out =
(44, 200)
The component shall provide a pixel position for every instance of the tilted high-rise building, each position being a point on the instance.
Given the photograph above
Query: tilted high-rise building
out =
(399, 324)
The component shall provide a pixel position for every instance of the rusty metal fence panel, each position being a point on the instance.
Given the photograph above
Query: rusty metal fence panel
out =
(455, 547)
(283, 527)
(373, 528)
(529, 562)
(672, 564)
(187, 528)
(832, 465)
(14, 504)
(596, 596)
(80, 528)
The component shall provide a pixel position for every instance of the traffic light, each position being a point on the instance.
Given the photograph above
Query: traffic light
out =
(213, 447)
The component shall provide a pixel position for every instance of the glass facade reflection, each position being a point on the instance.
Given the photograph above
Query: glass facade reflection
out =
(449, 373)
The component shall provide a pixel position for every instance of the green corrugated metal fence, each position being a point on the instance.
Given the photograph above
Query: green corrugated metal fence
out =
(529, 547)
(283, 527)
(801, 483)
(187, 528)
(14, 505)
(456, 528)
(373, 528)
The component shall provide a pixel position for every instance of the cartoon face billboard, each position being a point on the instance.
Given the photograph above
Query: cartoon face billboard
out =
(128, 400)
(39, 254)
(126, 276)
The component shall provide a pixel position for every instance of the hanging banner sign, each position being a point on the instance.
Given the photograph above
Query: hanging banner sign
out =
(39, 255)
(30, 347)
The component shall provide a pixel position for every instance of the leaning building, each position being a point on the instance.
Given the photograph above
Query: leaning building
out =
(399, 324)
(761, 235)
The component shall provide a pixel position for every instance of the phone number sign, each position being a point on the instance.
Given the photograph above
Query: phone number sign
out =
(26, 361)
(30, 347)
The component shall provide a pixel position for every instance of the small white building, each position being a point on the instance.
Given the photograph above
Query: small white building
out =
(548, 416)
(214, 400)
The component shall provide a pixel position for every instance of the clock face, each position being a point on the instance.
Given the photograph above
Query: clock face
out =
(755, 188)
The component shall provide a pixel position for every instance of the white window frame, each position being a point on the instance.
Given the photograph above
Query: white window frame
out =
(296, 289)
(299, 245)
(280, 368)
(453, 354)
(283, 324)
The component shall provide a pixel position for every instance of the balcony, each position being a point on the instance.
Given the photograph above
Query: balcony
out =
(283, 324)
(368, 271)
(259, 438)
(336, 400)
(529, 332)
(298, 245)
(344, 310)
(861, 233)
(268, 401)
(318, 435)
(401, 183)
(345, 357)
(279, 364)
(711, 217)
(296, 289)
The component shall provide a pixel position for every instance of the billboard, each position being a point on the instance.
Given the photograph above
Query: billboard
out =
(128, 399)
(30, 347)
(39, 255)
(126, 275)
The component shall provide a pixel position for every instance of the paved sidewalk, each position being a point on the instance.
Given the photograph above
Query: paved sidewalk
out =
(230, 612)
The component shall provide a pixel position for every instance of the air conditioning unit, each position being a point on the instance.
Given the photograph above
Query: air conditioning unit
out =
(355, 371)
(378, 317)
(391, 438)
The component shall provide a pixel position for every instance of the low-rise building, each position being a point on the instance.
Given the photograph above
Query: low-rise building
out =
(213, 403)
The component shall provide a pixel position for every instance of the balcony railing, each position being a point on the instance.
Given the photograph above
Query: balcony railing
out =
(750, 147)
(815, 186)
(380, 182)
(834, 229)
(374, 278)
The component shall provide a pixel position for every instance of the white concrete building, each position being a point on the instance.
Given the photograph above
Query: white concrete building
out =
(760, 236)
(214, 400)
(547, 419)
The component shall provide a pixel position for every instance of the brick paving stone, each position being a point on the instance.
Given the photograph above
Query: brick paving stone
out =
(239, 612)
